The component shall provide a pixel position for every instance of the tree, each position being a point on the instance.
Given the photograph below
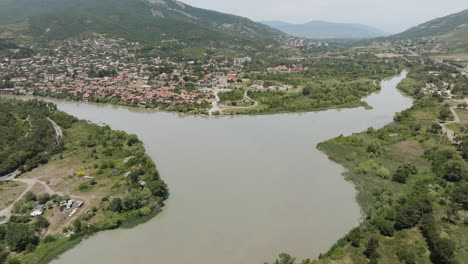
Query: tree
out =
(354, 237)
(445, 113)
(132, 139)
(18, 236)
(460, 196)
(401, 175)
(41, 223)
(371, 250)
(115, 205)
(386, 228)
(77, 225)
(435, 128)
(285, 259)
(410, 215)
(443, 251)
(403, 172)
(43, 198)
(30, 196)
(3, 254)
(454, 170)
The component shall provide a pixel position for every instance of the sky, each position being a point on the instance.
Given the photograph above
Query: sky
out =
(392, 16)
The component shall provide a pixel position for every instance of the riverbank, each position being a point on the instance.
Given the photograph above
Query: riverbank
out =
(279, 146)
(103, 176)
(400, 174)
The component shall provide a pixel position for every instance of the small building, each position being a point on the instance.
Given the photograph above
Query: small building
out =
(38, 210)
(70, 204)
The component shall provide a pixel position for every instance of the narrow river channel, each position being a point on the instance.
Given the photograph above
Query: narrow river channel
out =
(243, 189)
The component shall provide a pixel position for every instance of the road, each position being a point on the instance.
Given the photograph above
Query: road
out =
(30, 184)
(461, 70)
(215, 105)
(58, 130)
(450, 133)
(58, 135)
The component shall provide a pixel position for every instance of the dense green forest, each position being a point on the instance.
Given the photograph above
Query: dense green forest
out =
(27, 137)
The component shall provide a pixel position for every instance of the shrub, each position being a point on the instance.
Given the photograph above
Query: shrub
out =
(383, 172)
(43, 198)
(371, 250)
(460, 196)
(30, 196)
(405, 256)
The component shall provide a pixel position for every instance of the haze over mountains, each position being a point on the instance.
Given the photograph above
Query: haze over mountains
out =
(178, 24)
(326, 30)
(150, 20)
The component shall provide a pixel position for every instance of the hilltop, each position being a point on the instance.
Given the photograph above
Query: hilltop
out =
(447, 34)
(153, 21)
(455, 24)
(328, 30)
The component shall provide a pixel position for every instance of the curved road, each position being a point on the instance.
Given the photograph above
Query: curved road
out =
(450, 133)
(30, 182)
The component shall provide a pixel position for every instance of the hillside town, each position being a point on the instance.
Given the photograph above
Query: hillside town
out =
(100, 69)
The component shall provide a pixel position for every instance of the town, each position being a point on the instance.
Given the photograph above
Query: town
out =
(101, 69)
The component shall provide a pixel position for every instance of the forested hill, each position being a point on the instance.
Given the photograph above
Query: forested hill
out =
(455, 25)
(141, 20)
(28, 137)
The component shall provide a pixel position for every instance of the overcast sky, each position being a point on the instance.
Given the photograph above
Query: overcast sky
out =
(389, 15)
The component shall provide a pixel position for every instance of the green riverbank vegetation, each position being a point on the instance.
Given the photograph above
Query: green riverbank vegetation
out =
(97, 179)
(331, 82)
(411, 182)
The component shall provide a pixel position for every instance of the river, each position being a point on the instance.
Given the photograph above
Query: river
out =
(243, 189)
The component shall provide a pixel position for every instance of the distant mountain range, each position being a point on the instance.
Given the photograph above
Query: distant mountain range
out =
(144, 20)
(326, 30)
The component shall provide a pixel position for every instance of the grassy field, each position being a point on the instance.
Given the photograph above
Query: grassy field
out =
(10, 191)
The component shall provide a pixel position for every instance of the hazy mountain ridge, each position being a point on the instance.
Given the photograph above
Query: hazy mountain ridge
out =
(323, 29)
(145, 20)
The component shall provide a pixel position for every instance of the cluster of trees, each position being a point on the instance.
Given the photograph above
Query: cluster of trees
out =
(403, 172)
(235, 95)
(144, 187)
(28, 137)
(315, 95)
(101, 73)
(442, 249)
